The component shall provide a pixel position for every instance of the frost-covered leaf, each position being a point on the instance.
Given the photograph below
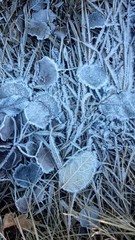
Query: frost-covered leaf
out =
(88, 217)
(38, 29)
(41, 110)
(6, 128)
(96, 20)
(47, 72)
(37, 5)
(29, 148)
(44, 159)
(27, 175)
(39, 193)
(44, 15)
(37, 114)
(22, 204)
(78, 171)
(10, 88)
(12, 160)
(13, 97)
(93, 75)
(119, 106)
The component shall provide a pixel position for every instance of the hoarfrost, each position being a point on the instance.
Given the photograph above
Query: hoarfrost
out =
(78, 171)
(92, 75)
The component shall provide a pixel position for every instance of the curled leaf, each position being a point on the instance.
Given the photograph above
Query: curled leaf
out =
(27, 175)
(78, 171)
(47, 72)
(92, 75)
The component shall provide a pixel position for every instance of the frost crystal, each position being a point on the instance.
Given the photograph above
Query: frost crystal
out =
(47, 72)
(92, 75)
(78, 171)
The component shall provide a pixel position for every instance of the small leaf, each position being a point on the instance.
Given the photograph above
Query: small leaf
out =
(88, 217)
(78, 171)
(10, 220)
(96, 20)
(27, 175)
(39, 193)
(6, 128)
(47, 72)
(44, 159)
(44, 15)
(22, 204)
(13, 159)
(38, 29)
(41, 110)
(92, 75)
(10, 88)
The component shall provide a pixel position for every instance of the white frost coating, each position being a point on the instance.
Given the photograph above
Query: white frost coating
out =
(96, 20)
(78, 171)
(93, 75)
(120, 105)
(47, 72)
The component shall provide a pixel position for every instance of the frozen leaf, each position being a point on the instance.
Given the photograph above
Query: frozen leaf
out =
(12, 160)
(78, 171)
(44, 159)
(93, 75)
(29, 149)
(13, 97)
(119, 106)
(38, 29)
(39, 193)
(41, 110)
(96, 20)
(36, 5)
(22, 204)
(6, 128)
(37, 114)
(47, 72)
(44, 15)
(11, 88)
(50, 102)
(27, 175)
(88, 217)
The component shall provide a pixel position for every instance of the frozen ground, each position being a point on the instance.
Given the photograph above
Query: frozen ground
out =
(67, 119)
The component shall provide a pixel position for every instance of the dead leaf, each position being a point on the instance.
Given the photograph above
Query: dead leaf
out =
(21, 221)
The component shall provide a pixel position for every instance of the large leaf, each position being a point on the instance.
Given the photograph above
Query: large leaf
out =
(78, 171)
